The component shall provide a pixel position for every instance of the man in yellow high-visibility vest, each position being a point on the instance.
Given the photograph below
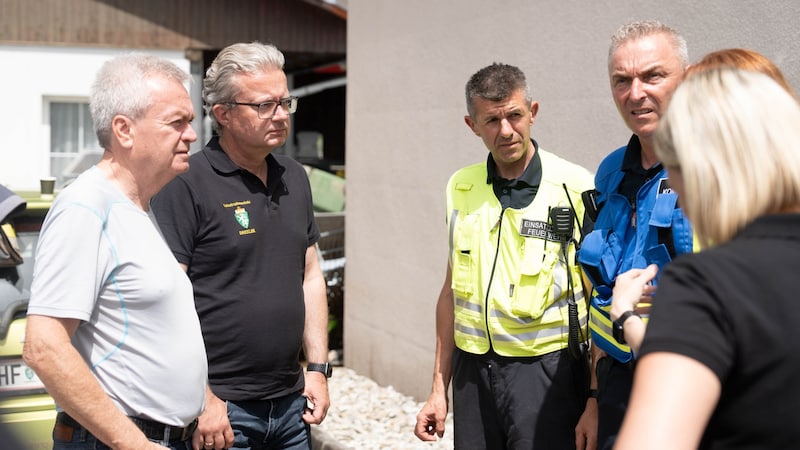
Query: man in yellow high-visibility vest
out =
(503, 314)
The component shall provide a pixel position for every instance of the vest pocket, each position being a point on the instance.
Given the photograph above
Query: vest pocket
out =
(600, 256)
(464, 254)
(673, 229)
(601, 252)
(537, 273)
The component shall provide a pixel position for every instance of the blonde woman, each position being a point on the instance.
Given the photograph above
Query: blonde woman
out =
(718, 367)
(735, 58)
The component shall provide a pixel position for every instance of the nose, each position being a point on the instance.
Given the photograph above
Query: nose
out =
(281, 112)
(506, 130)
(189, 135)
(638, 89)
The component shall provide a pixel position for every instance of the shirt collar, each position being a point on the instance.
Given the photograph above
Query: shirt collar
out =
(222, 163)
(532, 176)
(633, 154)
(632, 161)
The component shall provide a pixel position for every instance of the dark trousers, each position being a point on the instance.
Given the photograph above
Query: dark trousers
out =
(517, 403)
(614, 383)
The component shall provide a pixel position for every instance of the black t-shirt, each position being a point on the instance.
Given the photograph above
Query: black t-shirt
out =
(735, 309)
(244, 245)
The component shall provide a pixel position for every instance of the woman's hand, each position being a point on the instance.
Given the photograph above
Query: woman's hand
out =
(634, 288)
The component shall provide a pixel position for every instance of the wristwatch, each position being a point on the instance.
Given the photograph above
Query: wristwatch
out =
(325, 368)
(617, 329)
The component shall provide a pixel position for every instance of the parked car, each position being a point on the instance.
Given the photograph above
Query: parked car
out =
(26, 410)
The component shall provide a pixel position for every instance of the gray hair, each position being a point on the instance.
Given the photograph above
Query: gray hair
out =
(644, 28)
(495, 83)
(121, 88)
(236, 59)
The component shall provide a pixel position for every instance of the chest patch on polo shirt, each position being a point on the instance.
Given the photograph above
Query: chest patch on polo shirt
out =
(537, 229)
(241, 215)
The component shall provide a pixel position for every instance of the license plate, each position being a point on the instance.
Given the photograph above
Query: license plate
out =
(15, 375)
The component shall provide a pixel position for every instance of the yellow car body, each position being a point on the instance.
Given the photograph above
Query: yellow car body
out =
(26, 410)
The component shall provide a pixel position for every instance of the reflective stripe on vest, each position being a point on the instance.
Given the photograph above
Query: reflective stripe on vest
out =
(536, 336)
(600, 325)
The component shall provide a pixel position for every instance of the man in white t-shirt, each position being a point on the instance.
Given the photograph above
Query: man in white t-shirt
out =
(112, 330)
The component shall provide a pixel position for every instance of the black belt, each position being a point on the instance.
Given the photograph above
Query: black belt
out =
(151, 429)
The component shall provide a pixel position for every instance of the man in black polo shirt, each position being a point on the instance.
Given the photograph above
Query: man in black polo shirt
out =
(242, 223)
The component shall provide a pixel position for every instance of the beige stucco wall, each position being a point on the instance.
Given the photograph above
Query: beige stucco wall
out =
(408, 61)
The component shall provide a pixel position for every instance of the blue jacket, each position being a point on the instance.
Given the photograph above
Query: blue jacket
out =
(653, 231)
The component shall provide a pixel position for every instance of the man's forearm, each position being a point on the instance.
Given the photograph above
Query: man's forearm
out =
(315, 334)
(74, 388)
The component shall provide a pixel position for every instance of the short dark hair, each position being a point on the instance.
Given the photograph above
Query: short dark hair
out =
(496, 82)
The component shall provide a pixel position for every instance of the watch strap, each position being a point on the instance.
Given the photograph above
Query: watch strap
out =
(323, 368)
(618, 329)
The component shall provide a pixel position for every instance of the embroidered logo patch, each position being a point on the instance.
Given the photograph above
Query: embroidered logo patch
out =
(242, 216)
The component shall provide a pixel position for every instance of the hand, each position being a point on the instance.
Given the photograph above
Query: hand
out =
(316, 391)
(213, 426)
(430, 420)
(586, 430)
(631, 288)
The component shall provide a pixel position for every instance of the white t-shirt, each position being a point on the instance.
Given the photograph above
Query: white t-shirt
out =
(102, 260)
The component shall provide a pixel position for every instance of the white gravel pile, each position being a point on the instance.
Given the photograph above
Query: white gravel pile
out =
(364, 415)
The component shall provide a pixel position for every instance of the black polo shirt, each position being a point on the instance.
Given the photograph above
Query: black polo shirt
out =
(244, 244)
(520, 192)
(635, 176)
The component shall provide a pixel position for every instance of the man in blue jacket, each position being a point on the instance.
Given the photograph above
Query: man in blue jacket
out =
(639, 221)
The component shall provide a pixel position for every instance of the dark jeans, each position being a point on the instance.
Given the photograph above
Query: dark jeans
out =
(517, 403)
(270, 424)
(614, 383)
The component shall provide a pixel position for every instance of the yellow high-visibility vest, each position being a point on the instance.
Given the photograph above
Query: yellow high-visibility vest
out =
(509, 274)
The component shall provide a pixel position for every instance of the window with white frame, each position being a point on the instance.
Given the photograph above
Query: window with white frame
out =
(73, 143)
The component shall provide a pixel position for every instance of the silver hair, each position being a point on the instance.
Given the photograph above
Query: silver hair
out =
(121, 88)
(243, 58)
(644, 28)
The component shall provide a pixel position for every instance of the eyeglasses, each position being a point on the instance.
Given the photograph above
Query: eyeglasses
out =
(268, 109)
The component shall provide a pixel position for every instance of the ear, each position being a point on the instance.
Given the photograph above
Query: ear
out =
(221, 113)
(471, 125)
(122, 129)
(534, 111)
